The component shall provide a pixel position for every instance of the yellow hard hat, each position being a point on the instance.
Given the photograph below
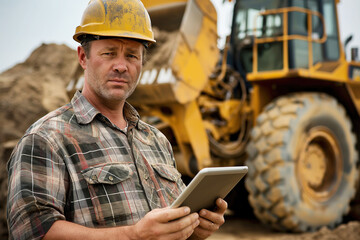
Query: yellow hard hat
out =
(115, 18)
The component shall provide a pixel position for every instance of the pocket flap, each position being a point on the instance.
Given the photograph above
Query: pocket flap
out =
(107, 173)
(166, 171)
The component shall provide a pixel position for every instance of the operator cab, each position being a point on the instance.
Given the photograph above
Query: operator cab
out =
(283, 35)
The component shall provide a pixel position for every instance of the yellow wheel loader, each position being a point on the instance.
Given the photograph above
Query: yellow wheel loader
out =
(280, 98)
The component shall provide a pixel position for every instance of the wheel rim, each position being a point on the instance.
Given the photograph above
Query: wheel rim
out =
(319, 168)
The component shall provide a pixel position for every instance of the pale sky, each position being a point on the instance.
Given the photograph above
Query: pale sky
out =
(25, 25)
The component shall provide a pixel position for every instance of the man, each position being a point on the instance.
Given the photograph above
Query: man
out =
(92, 169)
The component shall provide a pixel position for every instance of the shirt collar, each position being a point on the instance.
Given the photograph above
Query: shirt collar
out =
(85, 112)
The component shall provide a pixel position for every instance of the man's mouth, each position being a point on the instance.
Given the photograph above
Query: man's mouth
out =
(117, 80)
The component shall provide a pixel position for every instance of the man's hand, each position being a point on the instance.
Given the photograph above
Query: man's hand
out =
(166, 224)
(210, 221)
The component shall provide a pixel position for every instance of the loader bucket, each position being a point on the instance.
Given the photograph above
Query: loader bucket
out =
(178, 65)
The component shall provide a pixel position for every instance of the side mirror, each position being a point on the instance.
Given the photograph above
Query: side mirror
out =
(354, 54)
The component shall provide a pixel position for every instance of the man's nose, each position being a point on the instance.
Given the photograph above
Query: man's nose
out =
(120, 64)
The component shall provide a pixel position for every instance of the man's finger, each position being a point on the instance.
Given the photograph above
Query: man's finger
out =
(216, 217)
(170, 214)
(182, 223)
(184, 233)
(221, 206)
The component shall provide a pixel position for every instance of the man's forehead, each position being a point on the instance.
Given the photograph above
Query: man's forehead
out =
(119, 42)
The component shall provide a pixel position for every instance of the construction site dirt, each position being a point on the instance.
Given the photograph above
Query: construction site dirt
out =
(31, 89)
(248, 228)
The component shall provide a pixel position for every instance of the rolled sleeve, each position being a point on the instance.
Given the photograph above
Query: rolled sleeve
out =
(37, 188)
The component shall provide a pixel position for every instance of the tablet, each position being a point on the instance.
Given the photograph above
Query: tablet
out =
(208, 185)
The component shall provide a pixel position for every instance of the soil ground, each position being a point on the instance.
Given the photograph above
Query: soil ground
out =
(238, 228)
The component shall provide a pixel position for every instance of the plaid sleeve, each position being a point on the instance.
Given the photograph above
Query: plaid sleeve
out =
(37, 188)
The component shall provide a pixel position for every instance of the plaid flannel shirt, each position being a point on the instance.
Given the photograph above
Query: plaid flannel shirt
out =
(74, 164)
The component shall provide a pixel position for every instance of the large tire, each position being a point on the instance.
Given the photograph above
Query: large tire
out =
(302, 163)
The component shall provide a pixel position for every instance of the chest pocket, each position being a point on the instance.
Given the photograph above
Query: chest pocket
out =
(111, 188)
(107, 174)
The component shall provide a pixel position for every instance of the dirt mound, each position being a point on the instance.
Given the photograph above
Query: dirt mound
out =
(28, 91)
(31, 89)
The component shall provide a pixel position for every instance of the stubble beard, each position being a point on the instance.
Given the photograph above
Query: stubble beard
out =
(116, 94)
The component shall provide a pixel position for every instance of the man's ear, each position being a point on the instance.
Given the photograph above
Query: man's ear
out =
(81, 57)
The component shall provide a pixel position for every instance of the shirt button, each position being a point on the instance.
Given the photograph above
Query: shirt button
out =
(111, 178)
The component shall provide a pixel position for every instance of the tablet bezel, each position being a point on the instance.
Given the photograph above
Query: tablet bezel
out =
(223, 171)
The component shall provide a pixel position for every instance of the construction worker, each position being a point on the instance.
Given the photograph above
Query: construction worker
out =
(92, 169)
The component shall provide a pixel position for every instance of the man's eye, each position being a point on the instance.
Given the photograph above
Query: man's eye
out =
(108, 54)
(132, 55)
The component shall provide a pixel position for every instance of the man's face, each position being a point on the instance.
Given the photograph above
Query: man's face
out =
(112, 69)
